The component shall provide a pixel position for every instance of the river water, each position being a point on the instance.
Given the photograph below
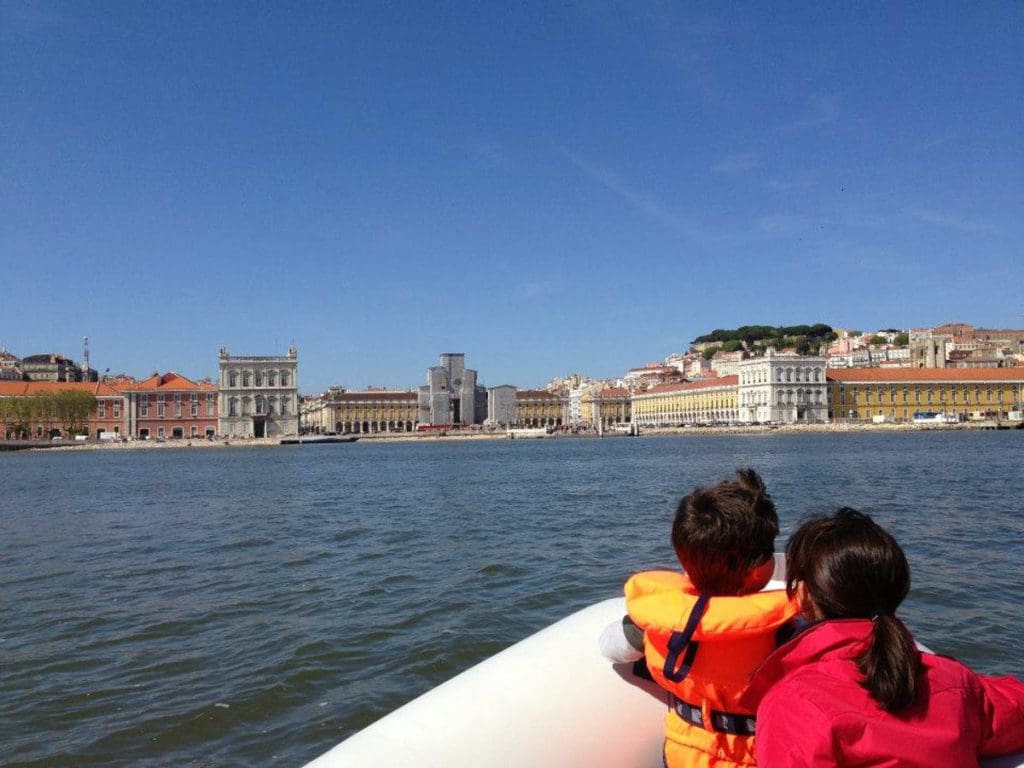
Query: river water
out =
(255, 606)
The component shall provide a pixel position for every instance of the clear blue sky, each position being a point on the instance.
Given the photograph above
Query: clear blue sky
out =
(551, 187)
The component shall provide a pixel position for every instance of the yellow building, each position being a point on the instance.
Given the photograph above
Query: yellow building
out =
(708, 401)
(370, 411)
(605, 407)
(540, 408)
(896, 394)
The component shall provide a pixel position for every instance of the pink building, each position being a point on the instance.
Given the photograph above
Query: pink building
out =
(171, 407)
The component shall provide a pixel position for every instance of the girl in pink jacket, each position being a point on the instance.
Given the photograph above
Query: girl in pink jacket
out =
(853, 689)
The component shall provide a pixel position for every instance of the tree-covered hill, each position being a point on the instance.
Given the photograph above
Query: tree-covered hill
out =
(755, 338)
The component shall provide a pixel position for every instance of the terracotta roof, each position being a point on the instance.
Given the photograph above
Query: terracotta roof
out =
(21, 388)
(168, 382)
(687, 386)
(954, 375)
(614, 392)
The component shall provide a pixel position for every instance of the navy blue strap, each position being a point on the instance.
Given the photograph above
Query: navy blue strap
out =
(680, 640)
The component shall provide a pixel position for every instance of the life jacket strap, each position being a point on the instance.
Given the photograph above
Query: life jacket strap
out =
(721, 722)
(681, 640)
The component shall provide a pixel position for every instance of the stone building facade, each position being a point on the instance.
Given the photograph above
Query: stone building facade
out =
(369, 412)
(707, 401)
(502, 406)
(540, 408)
(606, 408)
(785, 389)
(53, 367)
(451, 395)
(259, 396)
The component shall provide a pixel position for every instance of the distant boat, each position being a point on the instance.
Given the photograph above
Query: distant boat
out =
(318, 439)
(933, 417)
(525, 432)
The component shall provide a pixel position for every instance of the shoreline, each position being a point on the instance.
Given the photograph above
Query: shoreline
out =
(774, 429)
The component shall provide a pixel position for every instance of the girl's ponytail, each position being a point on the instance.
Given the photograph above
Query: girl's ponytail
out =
(890, 664)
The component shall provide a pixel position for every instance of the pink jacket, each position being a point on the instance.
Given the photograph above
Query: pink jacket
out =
(813, 712)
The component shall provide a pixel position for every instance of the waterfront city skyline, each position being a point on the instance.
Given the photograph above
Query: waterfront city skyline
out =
(545, 189)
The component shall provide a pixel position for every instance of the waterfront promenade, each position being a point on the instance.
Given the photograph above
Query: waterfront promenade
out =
(481, 436)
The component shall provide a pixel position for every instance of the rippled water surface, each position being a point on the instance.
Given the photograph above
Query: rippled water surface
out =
(255, 606)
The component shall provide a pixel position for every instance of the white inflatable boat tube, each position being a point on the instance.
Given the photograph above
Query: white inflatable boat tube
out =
(549, 701)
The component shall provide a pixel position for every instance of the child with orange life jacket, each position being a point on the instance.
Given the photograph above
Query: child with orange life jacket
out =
(704, 631)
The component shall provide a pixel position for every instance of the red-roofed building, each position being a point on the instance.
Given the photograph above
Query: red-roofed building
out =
(607, 408)
(650, 375)
(897, 394)
(706, 401)
(39, 421)
(171, 406)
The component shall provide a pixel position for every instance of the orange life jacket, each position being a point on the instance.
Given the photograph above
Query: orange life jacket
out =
(702, 650)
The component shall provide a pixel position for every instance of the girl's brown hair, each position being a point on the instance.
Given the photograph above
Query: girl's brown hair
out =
(853, 568)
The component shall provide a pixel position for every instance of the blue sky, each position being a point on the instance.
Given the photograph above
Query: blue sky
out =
(547, 187)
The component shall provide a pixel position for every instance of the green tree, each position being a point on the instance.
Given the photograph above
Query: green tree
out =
(710, 352)
(901, 340)
(72, 408)
(877, 341)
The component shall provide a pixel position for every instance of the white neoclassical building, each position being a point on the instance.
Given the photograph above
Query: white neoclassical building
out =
(259, 396)
(783, 388)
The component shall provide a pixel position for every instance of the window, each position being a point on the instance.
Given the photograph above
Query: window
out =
(144, 406)
(246, 406)
(195, 431)
(177, 406)
(259, 405)
(161, 410)
(160, 432)
(233, 379)
(271, 378)
(247, 379)
(259, 378)
(284, 405)
(194, 404)
(284, 378)
(117, 409)
(209, 404)
(233, 406)
(101, 411)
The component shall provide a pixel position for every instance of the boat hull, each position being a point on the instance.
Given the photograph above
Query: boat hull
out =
(549, 701)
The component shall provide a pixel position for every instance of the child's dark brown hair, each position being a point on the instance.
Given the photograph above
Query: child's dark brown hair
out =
(721, 532)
